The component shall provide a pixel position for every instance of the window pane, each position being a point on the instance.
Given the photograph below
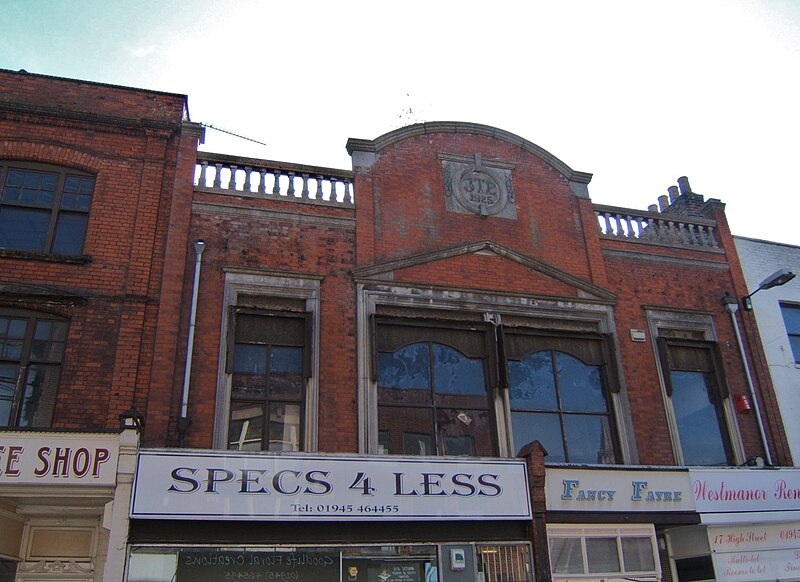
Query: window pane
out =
(700, 568)
(791, 317)
(284, 427)
(536, 426)
(601, 554)
(457, 374)
(698, 420)
(579, 385)
(408, 367)
(286, 371)
(23, 229)
(418, 444)
(38, 400)
(466, 432)
(531, 382)
(44, 348)
(794, 341)
(249, 387)
(588, 439)
(29, 187)
(250, 359)
(77, 192)
(70, 234)
(566, 556)
(247, 426)
(11, 342)
(637, 553)
(396, 421)
(8, 384)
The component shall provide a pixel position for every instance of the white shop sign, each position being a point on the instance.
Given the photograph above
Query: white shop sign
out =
(618, 490)
(749, 553)
(237, 486)
(58, 458)
(746, 491)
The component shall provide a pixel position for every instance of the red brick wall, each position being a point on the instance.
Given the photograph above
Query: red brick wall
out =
(129, 139)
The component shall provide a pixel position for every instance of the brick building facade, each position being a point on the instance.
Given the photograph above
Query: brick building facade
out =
(446, 363)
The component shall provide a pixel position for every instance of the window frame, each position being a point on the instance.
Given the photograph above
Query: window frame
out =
(495, 309)
(619, 533)
(449, 333)
(266, 401)
(27, 359)
(55, 210)
(591, 349)
(682, 327)
(240, 283)
(791, 333)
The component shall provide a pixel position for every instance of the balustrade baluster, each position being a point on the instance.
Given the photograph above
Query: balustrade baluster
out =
(304, 193)
(318, 194)
(276, 187)
(290, 191)
(201, 181)
(218, 176)
(262, 181)
(232, 181)
(246, 185)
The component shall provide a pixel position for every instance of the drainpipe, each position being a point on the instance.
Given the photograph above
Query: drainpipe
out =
(183, 420)
(732, 306)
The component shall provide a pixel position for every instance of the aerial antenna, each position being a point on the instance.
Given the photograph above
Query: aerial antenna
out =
(209, 126)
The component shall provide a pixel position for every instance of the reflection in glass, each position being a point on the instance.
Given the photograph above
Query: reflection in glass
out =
(699, 420)
(432, 390)
(560, 401)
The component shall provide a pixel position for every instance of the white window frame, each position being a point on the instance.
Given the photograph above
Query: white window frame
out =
(492, 307)
(241, 283)
(619, 532)
(658, 320)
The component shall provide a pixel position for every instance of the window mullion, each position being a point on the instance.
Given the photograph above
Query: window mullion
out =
(55, 213)
(560, 405)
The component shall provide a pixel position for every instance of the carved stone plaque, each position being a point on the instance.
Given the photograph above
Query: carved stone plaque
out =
(473, 185)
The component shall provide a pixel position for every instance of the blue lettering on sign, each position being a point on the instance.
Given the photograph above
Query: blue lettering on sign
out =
(573, 492)
(642, 493)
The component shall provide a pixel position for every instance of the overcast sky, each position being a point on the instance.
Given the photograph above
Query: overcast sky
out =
(637, 93)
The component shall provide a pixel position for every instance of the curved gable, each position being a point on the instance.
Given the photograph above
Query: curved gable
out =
(392, 137)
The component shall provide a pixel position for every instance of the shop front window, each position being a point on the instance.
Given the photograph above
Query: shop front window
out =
(402, 563)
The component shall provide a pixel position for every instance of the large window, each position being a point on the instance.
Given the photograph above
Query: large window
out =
(269, 364)
(457, 388)
(44, 208)
(557, 395)
(433, 396)
(791, 317)
(31, 349)
(696, 388)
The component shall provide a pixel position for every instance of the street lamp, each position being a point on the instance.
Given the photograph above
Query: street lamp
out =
(778, 278)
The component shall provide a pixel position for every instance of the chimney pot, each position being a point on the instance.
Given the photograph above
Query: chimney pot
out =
(683, 184)
(652, 208)
(673, 193)
(663, 203)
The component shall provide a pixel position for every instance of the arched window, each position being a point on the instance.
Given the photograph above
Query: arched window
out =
(31, 349)
(432, 391)
(44, 208)
(558, 397)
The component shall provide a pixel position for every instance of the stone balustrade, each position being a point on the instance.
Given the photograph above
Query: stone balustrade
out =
(656, 228)
(251, 177)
